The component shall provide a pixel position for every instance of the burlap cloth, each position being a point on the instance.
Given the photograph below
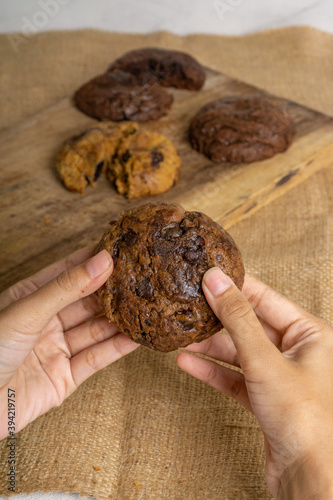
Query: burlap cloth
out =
(152, 431)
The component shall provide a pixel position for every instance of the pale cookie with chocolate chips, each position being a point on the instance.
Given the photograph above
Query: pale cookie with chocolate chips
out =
(82, 158)
(146, 163)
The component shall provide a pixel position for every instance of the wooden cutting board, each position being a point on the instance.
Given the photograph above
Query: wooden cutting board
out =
(41, 221)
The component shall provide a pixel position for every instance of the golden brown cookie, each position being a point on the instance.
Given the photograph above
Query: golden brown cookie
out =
(139, 162)
(160, 253)
(82, 158)
(146, 163)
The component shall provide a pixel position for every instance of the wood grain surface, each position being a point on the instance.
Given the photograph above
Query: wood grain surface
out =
(41, 221)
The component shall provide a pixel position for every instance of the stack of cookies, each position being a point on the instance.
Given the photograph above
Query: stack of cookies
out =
(131, 88)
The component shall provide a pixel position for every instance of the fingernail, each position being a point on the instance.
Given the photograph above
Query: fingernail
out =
(216, 281)
(99, 264)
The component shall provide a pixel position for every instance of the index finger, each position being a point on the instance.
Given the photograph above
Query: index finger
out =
(271, 306)
(28, 285)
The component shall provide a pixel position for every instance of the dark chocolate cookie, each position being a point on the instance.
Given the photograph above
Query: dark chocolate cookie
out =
(161, 253)
(169, 68)
(121, 96)
(241, 129)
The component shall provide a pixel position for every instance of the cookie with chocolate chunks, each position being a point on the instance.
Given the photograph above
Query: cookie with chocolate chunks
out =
(82, 158)
(161, 253)
(146, 163)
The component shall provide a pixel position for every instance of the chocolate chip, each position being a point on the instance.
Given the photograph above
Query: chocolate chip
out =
(161, 247)
(171, 232)
(184, 312)
(145, 290)
(188, 326)
(130, 237)
(191, 255)
(189, 289)
(186, 224)
(98, 170)
(199, 241)
(152, 65)
(126, 156)
(115, 253)
(156, 158)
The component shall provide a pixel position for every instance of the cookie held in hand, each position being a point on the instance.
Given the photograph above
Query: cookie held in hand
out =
(161, 253)
(241, 129)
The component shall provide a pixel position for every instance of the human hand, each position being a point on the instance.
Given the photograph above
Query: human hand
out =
(50, 338)
(285, 354)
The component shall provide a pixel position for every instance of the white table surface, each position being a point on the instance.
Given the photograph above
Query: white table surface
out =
(224, 17)
(229, 17)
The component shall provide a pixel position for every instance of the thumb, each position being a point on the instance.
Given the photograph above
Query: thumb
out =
(30, 314)
(236, 314)
(22, 322)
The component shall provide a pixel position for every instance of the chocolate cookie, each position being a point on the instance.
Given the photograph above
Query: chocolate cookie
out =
(82, 158)
(169, 68)
(161, 253)
(121, 96)
(146, 163)
(241, 129)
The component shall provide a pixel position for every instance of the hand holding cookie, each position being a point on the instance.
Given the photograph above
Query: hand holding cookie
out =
(285, 355)
(50, 339)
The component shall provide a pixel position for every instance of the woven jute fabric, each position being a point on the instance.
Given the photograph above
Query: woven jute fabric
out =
(142, 429)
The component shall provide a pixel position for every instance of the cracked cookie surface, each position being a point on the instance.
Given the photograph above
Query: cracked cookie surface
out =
(146, 163)
(121, 96)
(161, 253)
(82, 158)
(170, 68)
(241, 129)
